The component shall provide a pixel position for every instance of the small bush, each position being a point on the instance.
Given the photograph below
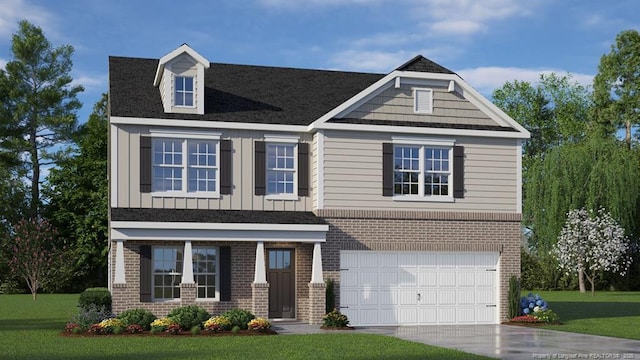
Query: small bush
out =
(95, 329)
(189, 316)
(118, 330)
(195, 330)
(514, 297)
(235, 329)
(142, 317)
(109, 325)
(173, 329)
(335, 319)
(98, 297)
(91, 315)
(71, 327)
(217, 323)
(259, 324)
(330, 296)
(239, 317)
(134, 329)
(160, 325)
(546, 316)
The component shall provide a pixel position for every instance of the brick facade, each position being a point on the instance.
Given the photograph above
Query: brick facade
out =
(423, 231)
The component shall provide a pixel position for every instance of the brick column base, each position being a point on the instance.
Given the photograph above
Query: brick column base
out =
(188, 293)
(122, 297)
(317, 301)
(260, 300)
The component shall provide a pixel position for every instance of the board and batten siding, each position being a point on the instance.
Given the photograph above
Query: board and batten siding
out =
(242, 193)
(353, 175)
(397, 105)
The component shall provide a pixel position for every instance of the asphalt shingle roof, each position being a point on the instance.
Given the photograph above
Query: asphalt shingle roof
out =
(215, 216)
(422, 64)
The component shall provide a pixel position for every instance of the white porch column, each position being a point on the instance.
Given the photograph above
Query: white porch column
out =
(316, 270)
(260, 276)
(187, 264)
(119, 275)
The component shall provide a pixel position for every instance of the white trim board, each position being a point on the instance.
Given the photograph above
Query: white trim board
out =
(217, 235)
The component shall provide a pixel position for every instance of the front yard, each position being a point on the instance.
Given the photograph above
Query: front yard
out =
(608, 313)
(31, 330)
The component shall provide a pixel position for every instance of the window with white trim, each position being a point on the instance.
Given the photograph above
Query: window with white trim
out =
(423, 171)
(185, 165)
(281, 169)
(423, 101)
(183, 91)
(205, 272)
(167, 272)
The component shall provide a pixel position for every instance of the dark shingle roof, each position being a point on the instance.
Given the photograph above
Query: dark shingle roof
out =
(215, 216)
(422, 64)
(238, 93)
(421, 124)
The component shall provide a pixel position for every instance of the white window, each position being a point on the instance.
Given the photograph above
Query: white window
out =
(422, 171)
(281, 169)
(167, 272)
(188, 166)
(423, 101)
(205, 272)
(183, 94)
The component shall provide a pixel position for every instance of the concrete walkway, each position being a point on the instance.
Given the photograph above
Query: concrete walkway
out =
(499, 341)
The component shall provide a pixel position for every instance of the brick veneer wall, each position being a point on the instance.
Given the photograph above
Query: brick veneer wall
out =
(423, 231)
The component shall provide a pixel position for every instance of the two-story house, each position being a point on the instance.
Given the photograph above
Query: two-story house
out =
(235, 186)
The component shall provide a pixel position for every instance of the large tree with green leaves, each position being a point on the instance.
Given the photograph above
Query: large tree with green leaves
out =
(77, 200)
(38, 103)
(617, 87)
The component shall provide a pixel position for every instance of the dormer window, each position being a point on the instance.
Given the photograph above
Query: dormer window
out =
(183, 95)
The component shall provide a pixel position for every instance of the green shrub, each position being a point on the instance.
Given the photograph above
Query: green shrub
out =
(189, 316)
(547, 316)
(514, 297)
(335, 319)
(195, 330)
(142, 317)
(239, 317)
(99, 297)
(90, 315)
(235, 329)
(330, 303)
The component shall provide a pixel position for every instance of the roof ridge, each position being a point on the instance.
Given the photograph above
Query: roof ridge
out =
(420, 63)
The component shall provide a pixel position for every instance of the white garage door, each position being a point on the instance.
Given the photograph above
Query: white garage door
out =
(419, 288)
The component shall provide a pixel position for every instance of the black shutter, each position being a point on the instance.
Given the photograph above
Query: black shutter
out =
(303, 169)
(145, 164)
(225, 167)
(225, 273)
(458, 172)
(260, 168)
(145, 273)
(387, 169)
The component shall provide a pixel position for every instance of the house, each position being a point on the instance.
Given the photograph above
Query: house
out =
(235, 186)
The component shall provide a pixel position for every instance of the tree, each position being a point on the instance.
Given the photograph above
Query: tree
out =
(34, 255)
(592, 243)
(40, 102)
(77, 194)
(617, 86)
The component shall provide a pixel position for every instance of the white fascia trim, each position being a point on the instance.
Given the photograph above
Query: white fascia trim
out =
(203, 124)
(216, 226)
(184, 133)
(519, 176)
(276, 236)
(282, 138)
(421, 130)
(113, 178)
(320, 169)
(184, 48)
(422, 141)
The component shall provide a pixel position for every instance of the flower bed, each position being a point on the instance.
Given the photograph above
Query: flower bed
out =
(534, 312)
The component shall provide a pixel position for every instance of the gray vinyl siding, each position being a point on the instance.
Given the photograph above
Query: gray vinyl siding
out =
(353, 175)
(397, 105)
(242, 197)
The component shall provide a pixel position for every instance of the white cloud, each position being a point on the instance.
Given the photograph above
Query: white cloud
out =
(16, 10)
(91, 83)
(308, 3)
(3, 63)
(487, 79)
(460, 27)
(380, 61)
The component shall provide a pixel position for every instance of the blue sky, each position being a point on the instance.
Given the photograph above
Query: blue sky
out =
(487, 42)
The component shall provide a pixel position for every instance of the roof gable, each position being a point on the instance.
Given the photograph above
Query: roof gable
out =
(421, 64)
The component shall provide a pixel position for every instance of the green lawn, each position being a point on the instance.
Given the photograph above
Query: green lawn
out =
(608, 313)
(31, 330)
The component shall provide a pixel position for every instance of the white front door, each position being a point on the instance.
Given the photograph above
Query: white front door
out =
(419, 288)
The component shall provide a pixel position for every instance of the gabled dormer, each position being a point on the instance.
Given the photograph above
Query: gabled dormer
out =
(180, 79)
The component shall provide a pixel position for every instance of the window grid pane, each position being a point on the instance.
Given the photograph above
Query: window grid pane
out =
(183, 95)
(406, 175)
(436, 174)
(203, 166)
(204, 271)
(280, 168)
(167, 272)
(167, 165)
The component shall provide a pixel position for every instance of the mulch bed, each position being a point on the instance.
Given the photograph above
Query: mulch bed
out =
(337, 328)
(531, 324)
(182, 333)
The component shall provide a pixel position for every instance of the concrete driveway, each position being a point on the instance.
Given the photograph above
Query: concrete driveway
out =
(500, 341)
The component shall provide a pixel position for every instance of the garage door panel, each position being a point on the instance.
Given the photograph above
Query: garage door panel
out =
(413, 288)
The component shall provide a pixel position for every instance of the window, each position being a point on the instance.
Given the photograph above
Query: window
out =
(205, 271)
(183, 94)
(422, 171)
(281, 169)
(423, 101)
(167, 272)
(187, 166)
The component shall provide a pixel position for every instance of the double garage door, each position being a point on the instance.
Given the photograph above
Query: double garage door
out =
(419, 288)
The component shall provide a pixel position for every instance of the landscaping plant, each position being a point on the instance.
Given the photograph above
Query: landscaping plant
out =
(259, 324)
(239, 317)
(514, 295)
(90, 315)
(189, 316)
(217, 323)
(98, 297)
(335, 319)
(142, 317)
